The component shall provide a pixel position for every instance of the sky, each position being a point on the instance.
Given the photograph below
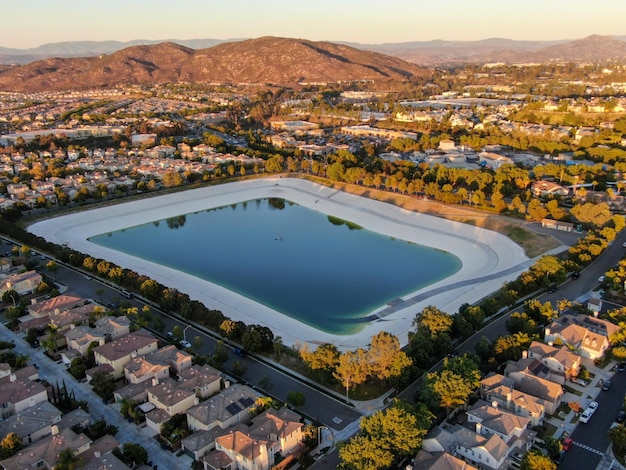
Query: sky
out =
(31, 23)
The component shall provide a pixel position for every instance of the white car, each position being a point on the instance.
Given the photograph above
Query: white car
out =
(601, 279)
(624, 244)
(586, 416)
(184, 343)
(593, 406)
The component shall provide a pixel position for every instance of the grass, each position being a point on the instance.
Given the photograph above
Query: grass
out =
(574, 391)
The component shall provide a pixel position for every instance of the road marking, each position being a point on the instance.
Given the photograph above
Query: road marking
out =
(586, 447)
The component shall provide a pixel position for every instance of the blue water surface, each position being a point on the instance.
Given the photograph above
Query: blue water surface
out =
(320, 270)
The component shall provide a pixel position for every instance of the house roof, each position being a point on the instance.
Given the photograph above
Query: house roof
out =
(30, 420)
(244, 445)
(439, 461)
(497, 419)
(280, 423)
(538, 387)
(46, 450)
(15, 390)
(168, 393)
(226, 404)
(60, 302)
(493, 443)
(217, 460)
(122, 347)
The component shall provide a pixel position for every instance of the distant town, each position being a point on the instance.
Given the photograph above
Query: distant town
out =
(110, 378)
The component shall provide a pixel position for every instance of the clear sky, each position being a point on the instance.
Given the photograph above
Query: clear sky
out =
(30, 23)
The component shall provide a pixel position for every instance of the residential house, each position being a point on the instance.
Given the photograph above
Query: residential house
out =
(232, 405)
(484, 451)
(438, 461)
(17, 394)
(205, 381)
(589, 336)
(119, 352)
(548, 391)
(169, 397)
(79, 339)
(543, 188)
(157, 364)
(246, 452)
(498, 389)
(512, 428)
(45, 453)
(283, 426)
(22, 283)
(113, 327)
(560, 360)
(32, 424)
(60, 303)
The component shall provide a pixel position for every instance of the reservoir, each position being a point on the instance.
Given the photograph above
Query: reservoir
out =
(323, 271)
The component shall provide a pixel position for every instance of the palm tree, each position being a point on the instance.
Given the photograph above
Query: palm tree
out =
(67, 460)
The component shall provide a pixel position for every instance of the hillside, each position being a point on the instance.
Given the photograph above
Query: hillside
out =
(267, 60)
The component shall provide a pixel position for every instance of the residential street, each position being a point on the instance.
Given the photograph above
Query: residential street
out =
(55, 373)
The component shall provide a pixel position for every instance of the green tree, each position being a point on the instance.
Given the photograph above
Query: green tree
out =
(68, 460)
(617, 436)
(10, 297)
(295, 398)
(352, 368)
(364, 453)
(325, 357)
(103, 385)
(135, 452)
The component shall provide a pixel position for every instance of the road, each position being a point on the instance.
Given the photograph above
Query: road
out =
(51, 371)
(571, 290)
(591, 439)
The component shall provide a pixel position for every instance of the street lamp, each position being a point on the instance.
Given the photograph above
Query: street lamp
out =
(184, 330)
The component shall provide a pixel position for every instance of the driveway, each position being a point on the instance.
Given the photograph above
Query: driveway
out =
(53, 373)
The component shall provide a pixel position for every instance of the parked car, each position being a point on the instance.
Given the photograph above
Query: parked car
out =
(624, 245)
(601, 279)
(593, 406)
(586, 416)
(578, 381)
(170, 334)
(621, 367)
(184, 343)
(621, 416)
(606, 385)
(567, 443)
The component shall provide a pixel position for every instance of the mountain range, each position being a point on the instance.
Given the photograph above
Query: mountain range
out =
(271, 60)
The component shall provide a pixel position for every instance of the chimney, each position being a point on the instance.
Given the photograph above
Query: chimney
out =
(508, 399)
(57, 311)
(12, 377)
(96, 454)
(33, 301)
(54, 429)
(155, 381)
(479, 428)
(524, 354)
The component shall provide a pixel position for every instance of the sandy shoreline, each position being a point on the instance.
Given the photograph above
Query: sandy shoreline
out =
(481, 251)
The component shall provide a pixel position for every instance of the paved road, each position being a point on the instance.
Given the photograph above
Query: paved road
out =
(591, 439)
(53, 373)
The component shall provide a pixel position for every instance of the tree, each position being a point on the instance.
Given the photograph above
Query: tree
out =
(68, 460)
(536, 461)
(135, 452)
(364, 453)
(10, 297)
(451, 389)
(385, 356)
(295, 398)
(53, 267)
(617, 436)
(394, 429)
(325, 357)
(103, 385)
(9, 445)
(352, 368)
